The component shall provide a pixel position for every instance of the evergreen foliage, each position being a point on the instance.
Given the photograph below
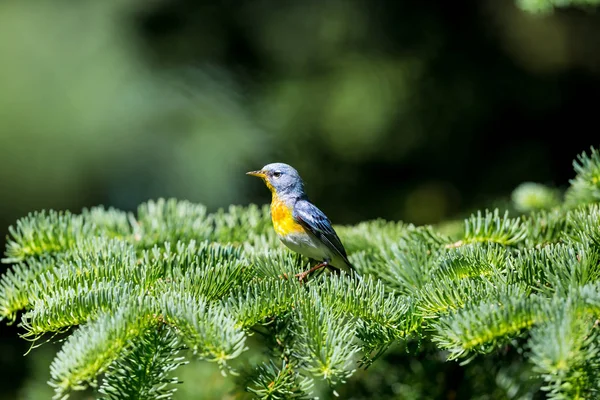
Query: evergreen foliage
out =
(131, 291)
(548, 6)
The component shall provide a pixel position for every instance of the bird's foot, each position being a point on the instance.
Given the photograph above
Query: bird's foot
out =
(302, 275)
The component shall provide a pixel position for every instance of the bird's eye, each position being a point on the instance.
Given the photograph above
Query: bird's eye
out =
(276, 174)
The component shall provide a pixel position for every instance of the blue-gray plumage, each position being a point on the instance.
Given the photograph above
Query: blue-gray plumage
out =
(315, 221)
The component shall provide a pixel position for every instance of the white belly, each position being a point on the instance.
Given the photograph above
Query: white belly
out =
(308, 246)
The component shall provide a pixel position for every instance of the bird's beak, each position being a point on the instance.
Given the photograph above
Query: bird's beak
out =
(259, 173)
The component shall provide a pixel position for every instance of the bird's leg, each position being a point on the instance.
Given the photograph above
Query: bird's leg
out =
(302, 275)
(312, 261)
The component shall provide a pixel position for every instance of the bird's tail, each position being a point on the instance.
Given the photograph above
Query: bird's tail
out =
(350, 270)
(354, 273)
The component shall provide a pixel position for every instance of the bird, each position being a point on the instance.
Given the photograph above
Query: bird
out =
(299, 224)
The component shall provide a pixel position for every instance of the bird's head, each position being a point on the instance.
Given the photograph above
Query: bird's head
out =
(280, 178)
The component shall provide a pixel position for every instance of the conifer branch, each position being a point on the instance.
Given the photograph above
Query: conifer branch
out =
(170, 221)
(564, 349)
(557, 268)
(143, 371)
(404, 266)
(491, 227)
(261, 300)
(44, 233)
(546, 226)
(584, 225)
(207, 329)
(481, 327)
(16, 283)
(325, 341)
(274, 382)
(111, 222)
(470, 261)
(95, 345)
(138, 288)
(367, 300)
(585, 187)
(444, 295)
(370, 234)
(68, 307)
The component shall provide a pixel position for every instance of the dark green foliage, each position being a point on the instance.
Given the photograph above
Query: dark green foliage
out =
(274, 382)
(585, 187)
(522, 290)
(548, 6)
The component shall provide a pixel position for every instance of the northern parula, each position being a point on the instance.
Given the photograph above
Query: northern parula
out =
(300, 225)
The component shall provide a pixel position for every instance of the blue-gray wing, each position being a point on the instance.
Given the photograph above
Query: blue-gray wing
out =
(317, 223)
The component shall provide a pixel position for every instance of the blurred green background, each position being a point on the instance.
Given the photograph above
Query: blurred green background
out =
(414, 111)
